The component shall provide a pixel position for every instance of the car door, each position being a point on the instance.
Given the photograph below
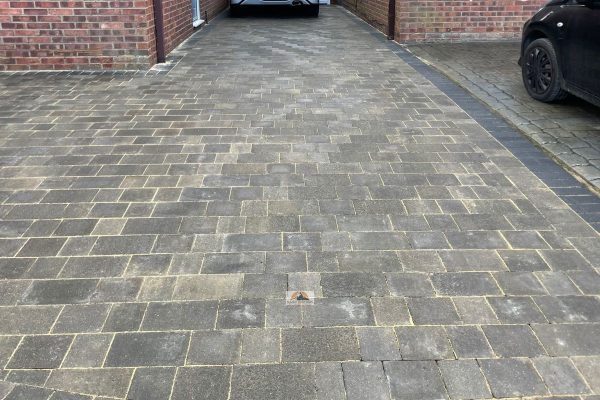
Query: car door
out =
(582, 47)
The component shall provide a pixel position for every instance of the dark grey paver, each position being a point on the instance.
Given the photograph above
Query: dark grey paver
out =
(512, 377)
(214, 347)
(201, 383)
(60, 291)
(463, 379)
(147, 349)
(192, 315)
(432, 311)
(151, 383)
(468, 342)
(513, 341)
(424, 343)
(414, 380)
(273, 381)
(319, 344)
(246, 313)
(560, 376)
(339, 311)
(43, 352)
(365, 380)
(125, 317)
(88, 351)
(569, 339)
(378, 344)
(353, 284)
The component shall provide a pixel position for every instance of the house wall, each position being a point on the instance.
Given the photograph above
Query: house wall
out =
(177, 18)
(76, 34)
(450, 20)
(212, 7)
(91, 34)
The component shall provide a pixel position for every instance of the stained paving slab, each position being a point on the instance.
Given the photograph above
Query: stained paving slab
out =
(151, 224)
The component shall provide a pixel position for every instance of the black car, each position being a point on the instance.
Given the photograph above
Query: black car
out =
(560, 51)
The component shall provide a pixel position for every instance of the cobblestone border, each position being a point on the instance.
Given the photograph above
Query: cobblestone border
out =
(578, 196)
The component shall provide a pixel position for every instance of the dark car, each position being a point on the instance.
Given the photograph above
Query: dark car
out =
(560, 51)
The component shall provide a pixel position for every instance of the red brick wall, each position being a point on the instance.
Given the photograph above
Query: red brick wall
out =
(177, 22)
(375, 12)
(212, 7)
(439, 20)
(76, 34)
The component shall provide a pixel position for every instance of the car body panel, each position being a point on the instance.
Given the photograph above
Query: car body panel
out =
(574, 30)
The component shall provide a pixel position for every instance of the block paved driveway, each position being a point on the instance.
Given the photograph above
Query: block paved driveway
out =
(569, 130)
(152, 224)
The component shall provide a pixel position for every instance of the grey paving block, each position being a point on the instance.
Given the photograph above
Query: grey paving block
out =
(519, 283)
(60, 291)
(147, 349)
(88, 351)
(192, 315)
(264, 285)
(465, 284)
(560, 376)
(463, 379)
(471, 260)
(329, 381)
(260, 346)
(565, 260)
(512, 377)
(228, 263)
(414, 380)
(410, 284)
(378, 344)
(339, 311)
(22, 392)
(568, 339)
(424, 343)
(208, 287)
(569, 309)
(516, 310)
(274, 381)
(125, 317)
(117, 290)
(202, 383)
(280, 315)
(353, 284)
(214, 347)
(246, 313)
(587, 281)
(365, 380)
(513, 341)
(319, 344)
(390, 311)
(286, 262)
(468, 342)
(252, 242)
(94, 267)
(588, 368)
(40, 352)
(29, 320)
(132, 244)
(151, 383)
(432, 311)
(557, 283)
(41, 247)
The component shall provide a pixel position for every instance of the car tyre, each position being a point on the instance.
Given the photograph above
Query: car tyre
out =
(541, 73)
(312, 10)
